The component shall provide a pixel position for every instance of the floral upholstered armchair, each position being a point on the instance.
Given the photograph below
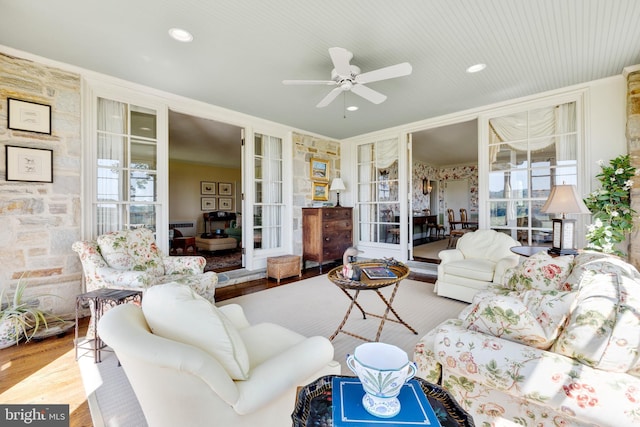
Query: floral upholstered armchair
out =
(130, 260)
(558, 344)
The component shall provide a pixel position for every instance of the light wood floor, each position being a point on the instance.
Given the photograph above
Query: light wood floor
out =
(46, 372)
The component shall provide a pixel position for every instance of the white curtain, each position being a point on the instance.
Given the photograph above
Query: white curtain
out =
(536, 130)
(112, 128)
(272, 209)
(372, 159)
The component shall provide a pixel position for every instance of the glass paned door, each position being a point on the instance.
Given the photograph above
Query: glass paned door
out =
(378, 195)
(268, 207)
(126, 167)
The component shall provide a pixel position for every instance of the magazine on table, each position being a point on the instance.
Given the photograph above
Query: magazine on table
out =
(379, 273)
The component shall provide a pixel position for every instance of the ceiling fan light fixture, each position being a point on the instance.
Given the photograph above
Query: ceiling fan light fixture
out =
(352, 108)
(476, 68)
(180, 35)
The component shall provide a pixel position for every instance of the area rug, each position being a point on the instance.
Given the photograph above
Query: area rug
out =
(429, 251)
(310, 307)
(222, 260)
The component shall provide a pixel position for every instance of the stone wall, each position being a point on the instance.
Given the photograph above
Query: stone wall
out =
(304, 148)
(40, 221)
(633, 144)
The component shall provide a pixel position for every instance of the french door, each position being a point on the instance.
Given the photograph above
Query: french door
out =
(126, 177)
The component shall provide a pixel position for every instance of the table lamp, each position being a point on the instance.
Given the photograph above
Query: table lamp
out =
(337, 185)
(564, 200)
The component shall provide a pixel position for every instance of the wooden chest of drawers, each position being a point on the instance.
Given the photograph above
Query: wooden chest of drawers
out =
(326, 234)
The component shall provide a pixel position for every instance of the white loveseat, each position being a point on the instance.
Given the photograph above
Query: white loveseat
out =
(557, 345)
(193, 364)
(479, 259)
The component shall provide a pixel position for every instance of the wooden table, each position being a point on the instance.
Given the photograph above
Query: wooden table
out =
(314, 405)
(366, 284)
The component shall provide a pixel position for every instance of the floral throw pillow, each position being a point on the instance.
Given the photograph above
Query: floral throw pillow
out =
(604, 329)
(542, 272)
(534, 318)
(506, 317)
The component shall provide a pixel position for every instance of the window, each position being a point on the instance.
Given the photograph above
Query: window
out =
(379, 207)
(126, 163)
(529, 152)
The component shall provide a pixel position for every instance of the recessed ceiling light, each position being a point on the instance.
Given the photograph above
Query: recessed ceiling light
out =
(476, 68)
(180, 35)
(352, 108)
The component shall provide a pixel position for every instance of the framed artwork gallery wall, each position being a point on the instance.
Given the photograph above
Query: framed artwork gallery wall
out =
(198, 188)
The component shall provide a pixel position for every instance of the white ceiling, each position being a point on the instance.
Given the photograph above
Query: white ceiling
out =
(242, 50)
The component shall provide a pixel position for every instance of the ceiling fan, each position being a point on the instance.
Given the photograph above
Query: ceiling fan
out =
(347, 77)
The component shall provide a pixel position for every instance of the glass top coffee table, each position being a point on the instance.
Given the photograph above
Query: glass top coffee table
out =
(314, 405)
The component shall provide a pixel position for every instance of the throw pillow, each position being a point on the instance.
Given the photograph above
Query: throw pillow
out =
(505, 317)
(176, 312)
(600, 263)
(131, 250)
(541, 271)
(604, 329)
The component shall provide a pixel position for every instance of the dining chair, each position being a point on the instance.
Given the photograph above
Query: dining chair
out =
(455, 233)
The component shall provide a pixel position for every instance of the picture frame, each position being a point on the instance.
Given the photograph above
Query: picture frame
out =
(320, 191)
(225, 203)
(225, 189)
(28, 164)
(28, 116)
(208, 188)
(319, 170)
(207, 203)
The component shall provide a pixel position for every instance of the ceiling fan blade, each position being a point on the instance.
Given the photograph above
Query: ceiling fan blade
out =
(368, 94)
(340, 58)
(385, 73)
(309, 82)
(330, 97)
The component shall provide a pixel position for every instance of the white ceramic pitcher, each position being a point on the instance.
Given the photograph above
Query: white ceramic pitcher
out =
(382, 369)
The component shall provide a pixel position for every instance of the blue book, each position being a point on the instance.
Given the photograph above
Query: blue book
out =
(348, 411)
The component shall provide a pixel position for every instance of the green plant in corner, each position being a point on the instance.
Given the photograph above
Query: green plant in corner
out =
(19, 318)
(611, 206)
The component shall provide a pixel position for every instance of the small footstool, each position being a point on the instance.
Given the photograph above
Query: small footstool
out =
(283, 266)
(219, 244)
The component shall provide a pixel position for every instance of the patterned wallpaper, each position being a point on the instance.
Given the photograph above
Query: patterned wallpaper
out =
(423, 170)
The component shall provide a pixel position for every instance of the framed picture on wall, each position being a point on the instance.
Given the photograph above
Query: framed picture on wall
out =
(320, 191)
(29, 164)
(225, 189)
(208, 188)
(207, 203)
(29, 116)
(319, 170)
(225, 204)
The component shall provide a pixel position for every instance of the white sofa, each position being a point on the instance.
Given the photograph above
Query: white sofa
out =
(193, 364)
(557, 345)
(479, 259)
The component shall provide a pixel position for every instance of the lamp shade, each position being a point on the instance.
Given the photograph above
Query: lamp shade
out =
(337, 184)
(564, 199)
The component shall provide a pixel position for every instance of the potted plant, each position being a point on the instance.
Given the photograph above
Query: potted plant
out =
(19, 318)
(611, 206)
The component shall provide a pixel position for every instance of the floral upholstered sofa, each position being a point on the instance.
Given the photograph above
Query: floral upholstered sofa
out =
(130, 259)
(555, 345)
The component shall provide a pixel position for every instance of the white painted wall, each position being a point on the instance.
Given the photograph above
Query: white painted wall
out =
(607, 118)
